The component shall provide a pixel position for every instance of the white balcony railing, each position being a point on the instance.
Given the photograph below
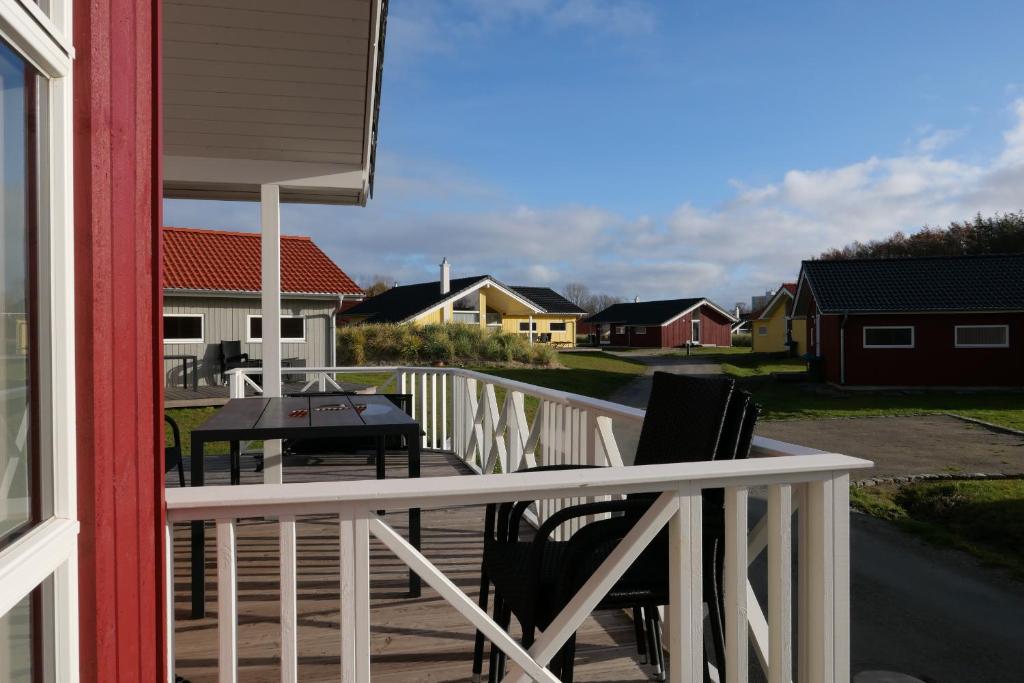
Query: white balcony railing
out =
(459, 411)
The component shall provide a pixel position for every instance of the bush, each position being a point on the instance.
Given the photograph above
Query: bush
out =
(742, 339)
(446, 342)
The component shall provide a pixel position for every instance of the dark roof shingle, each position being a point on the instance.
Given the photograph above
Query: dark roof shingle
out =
(548, 299)
(399, 303)
(944, 283)
(216, 260)
(643, 312)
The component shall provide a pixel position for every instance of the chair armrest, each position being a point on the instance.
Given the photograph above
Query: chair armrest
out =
(509, 515)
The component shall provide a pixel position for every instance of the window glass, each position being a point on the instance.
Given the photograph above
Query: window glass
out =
(524, 326)
(557, 327)
(620, 329)
(16, 643)
(640, 330)
(762, 330)
(183, 327)
(20, 501)
(893, 337)
(468, 317)
(982, 336)
(291, 328)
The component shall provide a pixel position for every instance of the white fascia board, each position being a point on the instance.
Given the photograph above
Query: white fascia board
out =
(455, 296)
(773, 302)
(697, 305)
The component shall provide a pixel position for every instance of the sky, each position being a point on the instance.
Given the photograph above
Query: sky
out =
(671, 149)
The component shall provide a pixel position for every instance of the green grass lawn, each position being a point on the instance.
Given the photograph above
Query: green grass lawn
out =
(984, 518)
(595, 374)
(714, 351)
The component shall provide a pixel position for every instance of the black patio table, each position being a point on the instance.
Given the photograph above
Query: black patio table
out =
(307, 417)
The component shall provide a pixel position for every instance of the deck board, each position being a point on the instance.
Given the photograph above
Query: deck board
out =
(422, 639)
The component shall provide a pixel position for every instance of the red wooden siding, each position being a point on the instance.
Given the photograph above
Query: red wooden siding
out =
(714, 330)
(934, 360)
(117, 217)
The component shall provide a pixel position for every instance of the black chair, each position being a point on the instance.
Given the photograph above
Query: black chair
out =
(231, 357)
(688, 419)
(172, 453)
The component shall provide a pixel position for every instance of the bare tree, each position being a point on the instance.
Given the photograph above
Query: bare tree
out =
(577, 292)
(377, 284)
(595, 303)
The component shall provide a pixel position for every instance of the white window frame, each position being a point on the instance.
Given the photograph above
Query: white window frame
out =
(957, 344)
(202, 328)
(565, 326)
(913, 337)
(695, 325)
(620, 329)
(50, 549)
(640, 330)
(289, 340)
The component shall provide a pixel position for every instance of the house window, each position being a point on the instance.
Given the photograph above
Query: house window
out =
(982, 336)
(37, 354)
(557, 327)
(639, 330)
(493, 319)
(762, 330)
(466, 317)
(525, 326)
(293, 328)
(695, 330)
(183, 328)
(892, 337)
(620, 329)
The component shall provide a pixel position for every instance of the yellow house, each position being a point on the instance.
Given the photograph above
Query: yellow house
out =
(773, 328)
(479, 300)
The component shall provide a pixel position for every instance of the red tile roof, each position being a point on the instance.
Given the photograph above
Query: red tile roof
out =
(230, 261)
(790, 286)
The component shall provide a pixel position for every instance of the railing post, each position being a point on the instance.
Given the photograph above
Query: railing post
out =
(424, 418)
(686, 586)
(433, 409)
(735, 585)
(515, 431)
(227, 602)
(289, 601)
(168, 598)
(321, 381)
(780, 623)
(828, 596)
(355, 597)
(236, 384)
(444, 411)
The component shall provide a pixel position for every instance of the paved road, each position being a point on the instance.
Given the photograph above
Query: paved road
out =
(932, 613)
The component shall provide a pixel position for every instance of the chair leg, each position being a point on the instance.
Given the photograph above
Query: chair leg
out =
(716, 610)
(641, 637)
(496, 665)
(568, 659)
(478, 644)
(181, 472)
(659, 651)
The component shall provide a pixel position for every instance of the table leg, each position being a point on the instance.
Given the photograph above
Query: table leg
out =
(184, 373)
(236, 463)
(381, 472)
(198, 538)
(195, 374)
(414, 513)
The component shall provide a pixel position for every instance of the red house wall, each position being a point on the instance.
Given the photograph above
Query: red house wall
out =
(714, 330)
(934, 360)
(119, 395)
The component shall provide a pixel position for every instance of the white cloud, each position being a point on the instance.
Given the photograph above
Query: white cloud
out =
(934, 139)
(749, 243)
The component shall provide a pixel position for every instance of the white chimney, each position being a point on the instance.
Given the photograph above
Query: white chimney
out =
(446, 276)
(636, 299)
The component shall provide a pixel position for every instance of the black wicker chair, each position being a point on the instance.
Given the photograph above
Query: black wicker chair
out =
(172, 453)
(534, 579)
(231, 357)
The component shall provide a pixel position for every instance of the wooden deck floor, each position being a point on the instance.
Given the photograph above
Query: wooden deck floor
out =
(421, 639)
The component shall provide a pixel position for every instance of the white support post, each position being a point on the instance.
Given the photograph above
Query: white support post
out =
(424, 418)
(828, 584)
(735, 585)
(270, 219)
(227, 602)
(354, 547)
(686, 606)
(168, 601)
(802, 577)
(433, 410)
(444, 412)
(289, 602)
(780, 623)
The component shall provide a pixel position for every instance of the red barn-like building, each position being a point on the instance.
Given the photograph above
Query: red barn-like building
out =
(940, 321)
(664, 324)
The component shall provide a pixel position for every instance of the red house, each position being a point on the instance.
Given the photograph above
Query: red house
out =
(664, 324)
(940, 321)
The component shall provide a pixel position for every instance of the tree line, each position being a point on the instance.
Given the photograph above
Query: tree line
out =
(998, 234)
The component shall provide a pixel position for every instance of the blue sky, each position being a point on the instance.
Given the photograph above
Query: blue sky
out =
(670, 149)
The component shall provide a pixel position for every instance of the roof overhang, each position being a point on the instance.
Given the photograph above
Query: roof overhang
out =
(778, 297)
(256, 93)
(239, 294)
(476, 286)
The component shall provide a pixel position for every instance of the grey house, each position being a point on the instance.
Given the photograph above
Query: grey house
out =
(212, 295)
